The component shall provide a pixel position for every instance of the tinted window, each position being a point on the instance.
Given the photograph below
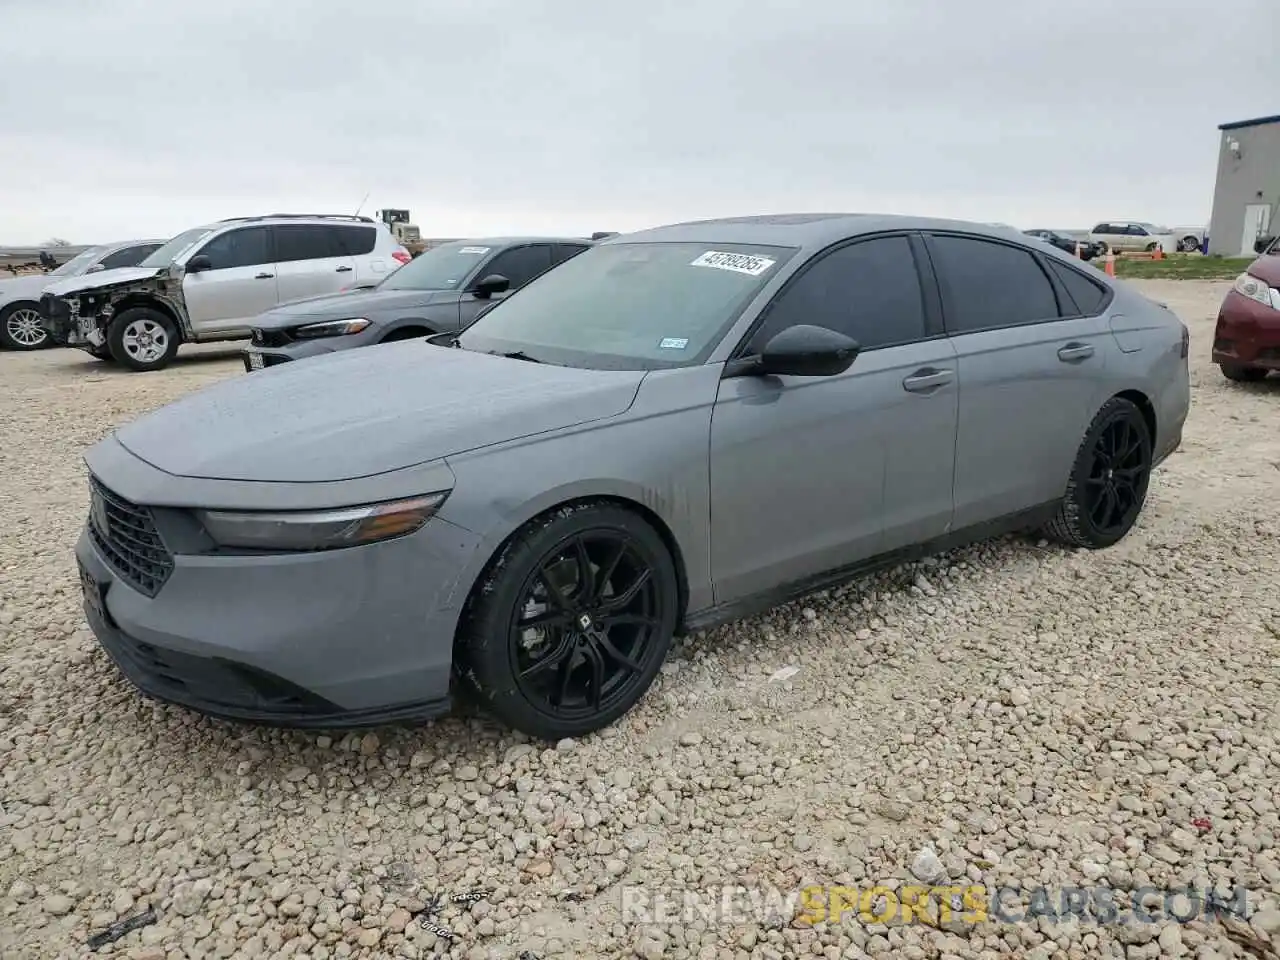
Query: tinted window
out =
(869, 291)
(563, 251)
(353, 241)
(1102, 228)
(990, 285)
(306, 241)
(1136, 231)
(129, 256)
(520, 264)
(245, 247)
(1086, 295)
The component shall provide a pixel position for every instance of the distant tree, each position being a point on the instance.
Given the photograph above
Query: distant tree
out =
(57, 242)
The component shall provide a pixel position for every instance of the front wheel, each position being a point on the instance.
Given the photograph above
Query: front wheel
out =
(1242, 374)
(1108, 483)
(567, 628)
(1189, 244)
(142, 339)
(20, 328)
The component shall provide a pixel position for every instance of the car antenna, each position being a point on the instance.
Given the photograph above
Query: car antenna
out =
(362, 203)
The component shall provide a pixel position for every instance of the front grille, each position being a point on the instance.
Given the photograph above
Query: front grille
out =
(128, 539)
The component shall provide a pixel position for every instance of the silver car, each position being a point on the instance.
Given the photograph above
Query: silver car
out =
(20, 327)
(670, 430)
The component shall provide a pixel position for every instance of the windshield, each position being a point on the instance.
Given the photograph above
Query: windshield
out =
(165, 255)
(440, 268)
(630, 306)
(77, 264)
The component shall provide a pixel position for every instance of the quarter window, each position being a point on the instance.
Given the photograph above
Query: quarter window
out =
(869, 291)
(991, 285)
(244, 247)
(354, 241)
(1086, 295)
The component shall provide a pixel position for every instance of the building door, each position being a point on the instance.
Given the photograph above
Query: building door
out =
(1257, 218)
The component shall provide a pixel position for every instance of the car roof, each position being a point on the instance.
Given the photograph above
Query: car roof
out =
(511, 241)
(803, 230)
(130, 243)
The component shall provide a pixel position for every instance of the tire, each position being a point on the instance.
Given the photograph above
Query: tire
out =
(142, 339)
(1242, 374)
(20, 327)
(503, 666)
(1189, 244)
(1152, 247)
(1120, 427)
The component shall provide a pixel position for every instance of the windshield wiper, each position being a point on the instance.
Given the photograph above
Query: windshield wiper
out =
(513, 355)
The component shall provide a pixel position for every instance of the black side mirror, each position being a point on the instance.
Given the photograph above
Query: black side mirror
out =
(199, 263)
(807, 351)
(493, 283)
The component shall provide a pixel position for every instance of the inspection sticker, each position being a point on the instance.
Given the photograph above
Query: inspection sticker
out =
(737, 262)
(474, 250)
(673, 343)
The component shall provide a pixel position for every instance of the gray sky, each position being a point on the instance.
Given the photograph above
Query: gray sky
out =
(145, 117)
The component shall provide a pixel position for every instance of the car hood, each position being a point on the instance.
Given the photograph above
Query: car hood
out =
(23, 288)
(104, 278)
(362, 412)
(1267, 268)
(343, 306)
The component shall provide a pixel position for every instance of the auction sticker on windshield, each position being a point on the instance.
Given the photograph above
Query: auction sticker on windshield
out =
(737, 262)
(474, 250)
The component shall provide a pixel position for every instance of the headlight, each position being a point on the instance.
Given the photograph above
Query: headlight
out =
(1247, 285)
(331, 328)
(320, 529)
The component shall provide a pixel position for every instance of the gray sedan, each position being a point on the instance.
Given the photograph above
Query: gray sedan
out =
(670, 430)
(20, 327)
(440, 291)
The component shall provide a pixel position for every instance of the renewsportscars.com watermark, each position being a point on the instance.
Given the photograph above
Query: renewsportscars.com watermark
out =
(931, 905)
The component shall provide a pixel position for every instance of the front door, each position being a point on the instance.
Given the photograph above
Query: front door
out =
(1031, 373)
(810, 474)
(1257, 218)
(241, 283)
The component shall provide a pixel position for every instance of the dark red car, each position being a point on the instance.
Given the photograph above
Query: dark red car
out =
(1246, 341)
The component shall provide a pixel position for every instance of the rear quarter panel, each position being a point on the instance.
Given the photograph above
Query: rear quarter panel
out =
(1148, 358)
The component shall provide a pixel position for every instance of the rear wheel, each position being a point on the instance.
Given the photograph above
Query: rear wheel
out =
(1189, 244)
(1242, 374)
(1108, 483)
(1152, 247)
(142, 339)
(20, 328)
(569, 625)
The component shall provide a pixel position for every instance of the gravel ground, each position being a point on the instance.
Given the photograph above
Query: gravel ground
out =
(1010, 714)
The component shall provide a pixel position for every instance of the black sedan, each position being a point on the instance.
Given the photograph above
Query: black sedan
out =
(441, 291)
(1068, 244)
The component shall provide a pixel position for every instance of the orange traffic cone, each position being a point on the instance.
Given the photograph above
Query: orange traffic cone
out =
(1110, 264)
(1159, 254)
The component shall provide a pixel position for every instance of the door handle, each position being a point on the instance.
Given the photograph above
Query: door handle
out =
(926, 379)
(343, 270)
(265, 276)
(1075, 351)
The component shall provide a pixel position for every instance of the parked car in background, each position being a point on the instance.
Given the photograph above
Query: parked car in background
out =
(672, 429)
(1133, 236)
(209, 283)
(1088, 249)
(1246, 340)
(1191, 239)
(20, 327)
(442, 290)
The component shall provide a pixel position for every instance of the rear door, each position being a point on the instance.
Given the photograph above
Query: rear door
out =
(518, 264)
(241, 283)
(1031, 371)
(311, 260)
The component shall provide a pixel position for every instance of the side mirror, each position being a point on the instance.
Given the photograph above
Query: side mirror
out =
(807, 351)
(96, 268)
(493, 283)
(199, 263)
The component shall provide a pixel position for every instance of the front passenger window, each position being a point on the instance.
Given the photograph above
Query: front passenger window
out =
(869, 291)
(245, 247)
(519, 264)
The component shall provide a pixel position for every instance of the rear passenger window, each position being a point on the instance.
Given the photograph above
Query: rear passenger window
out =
(869, 291)
(987, 285)
(1087, 296)
(354, 241)
(305, 241)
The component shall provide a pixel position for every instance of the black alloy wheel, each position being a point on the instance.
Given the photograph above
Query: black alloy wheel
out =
(578, 622)
(1108, 484)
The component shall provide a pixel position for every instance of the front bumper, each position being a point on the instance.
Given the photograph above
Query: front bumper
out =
(67, 328)
(270, 348)
(1247, 333)
(335, 639)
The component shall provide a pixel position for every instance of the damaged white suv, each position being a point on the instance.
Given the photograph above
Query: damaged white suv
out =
(208, 284)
